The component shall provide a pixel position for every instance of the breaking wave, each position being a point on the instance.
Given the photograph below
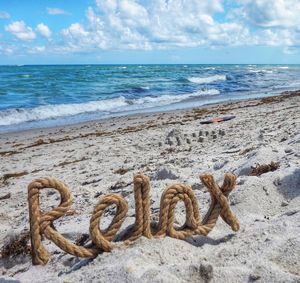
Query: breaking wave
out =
(16, 116)
(113, 105)
(207, 80)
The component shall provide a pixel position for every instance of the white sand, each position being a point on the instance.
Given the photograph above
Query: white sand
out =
(86, 156)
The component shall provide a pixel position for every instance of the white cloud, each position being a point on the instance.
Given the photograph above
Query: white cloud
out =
(277, 38)
(20, 30)
(127, 24)
(275, 23)
(44, 30)
(74, 31)
(277, 13)
(162, 24)
(56, 11)
(76, 37)
(4, 15)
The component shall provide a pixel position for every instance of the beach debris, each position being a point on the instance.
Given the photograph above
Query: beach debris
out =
(8, 153)
(98, 194)
(167, 151)
(36, 170)
(82, 239)
(70, 162)
(37, 143)
(217, 120)
(7, 176)
(121, 171)
(93, 181)
(206, 272)
(246, 150)
(102, 240)
(16, 244)
(7, 196)
(264, 168)
(119, 185)
(231, 151)
(165, 173)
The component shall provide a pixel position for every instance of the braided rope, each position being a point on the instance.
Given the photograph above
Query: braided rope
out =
(142, 225)
(100, 239)
(41, 223)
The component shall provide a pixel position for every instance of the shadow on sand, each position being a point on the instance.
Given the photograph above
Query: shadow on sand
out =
(289, 186)
(199, 241)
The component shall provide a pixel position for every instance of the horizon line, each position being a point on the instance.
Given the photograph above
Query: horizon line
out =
(138, 64)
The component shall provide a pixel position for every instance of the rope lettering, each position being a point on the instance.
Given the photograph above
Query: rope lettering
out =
(41, 223)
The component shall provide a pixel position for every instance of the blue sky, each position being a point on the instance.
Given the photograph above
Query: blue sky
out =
(145, 31)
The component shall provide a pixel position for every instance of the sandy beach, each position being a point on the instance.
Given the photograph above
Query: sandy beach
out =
(101, 157)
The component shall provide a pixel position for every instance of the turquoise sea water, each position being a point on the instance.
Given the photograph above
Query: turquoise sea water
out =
(42, 96)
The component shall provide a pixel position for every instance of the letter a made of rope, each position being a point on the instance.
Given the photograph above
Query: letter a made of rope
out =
(41, 223)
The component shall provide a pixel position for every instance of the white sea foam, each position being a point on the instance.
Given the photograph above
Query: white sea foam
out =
(16, 116)
(209, 68)
(114, 105)
(261, 71)
(283, 67)
(207, 80)
(168, 99)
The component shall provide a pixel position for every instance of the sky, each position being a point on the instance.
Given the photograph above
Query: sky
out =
(149, 31)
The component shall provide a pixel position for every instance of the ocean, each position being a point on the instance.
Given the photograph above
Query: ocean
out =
(45, 96)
